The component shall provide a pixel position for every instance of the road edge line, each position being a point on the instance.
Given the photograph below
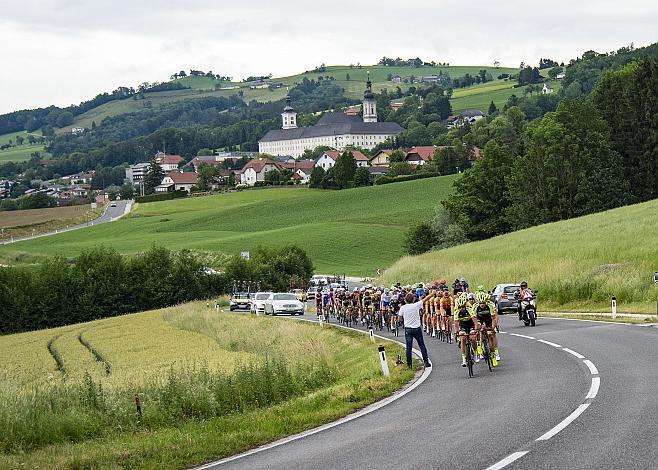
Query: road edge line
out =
(345, 419)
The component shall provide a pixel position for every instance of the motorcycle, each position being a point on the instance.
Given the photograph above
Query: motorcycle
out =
(529, 311)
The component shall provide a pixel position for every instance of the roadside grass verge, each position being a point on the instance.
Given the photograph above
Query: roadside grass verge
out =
(576, 265)
(211, 384)
(354, 231)
(26, 222)
(605, 318)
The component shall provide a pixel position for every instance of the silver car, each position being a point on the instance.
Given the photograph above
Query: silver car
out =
(503, 297)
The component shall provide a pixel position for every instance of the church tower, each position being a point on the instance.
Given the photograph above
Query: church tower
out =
(369, 103)
(289, 116)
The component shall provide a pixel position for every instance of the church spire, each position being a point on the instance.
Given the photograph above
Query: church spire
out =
(289, 116)
(369, 103)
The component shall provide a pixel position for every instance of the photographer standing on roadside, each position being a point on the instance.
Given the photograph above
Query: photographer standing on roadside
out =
(410, 313)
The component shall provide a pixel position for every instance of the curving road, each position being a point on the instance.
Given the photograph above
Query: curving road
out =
(109, 215)
(542, 408)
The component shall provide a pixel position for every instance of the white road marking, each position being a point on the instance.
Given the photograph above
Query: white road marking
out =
(594, 389)
(555, 345)
(369, 409)
(592, 368)
(522, 336)
(507, 460)
(565, 422)
(574, 353)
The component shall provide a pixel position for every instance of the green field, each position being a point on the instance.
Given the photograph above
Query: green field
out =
(211, 384)
(577, 264)
(22, 153)
(204, 86)
(354, 231)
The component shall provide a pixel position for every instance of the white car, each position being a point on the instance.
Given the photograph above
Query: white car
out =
(283, 302)
(258, 303)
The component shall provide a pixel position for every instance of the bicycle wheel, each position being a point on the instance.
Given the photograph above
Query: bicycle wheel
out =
(469, 358)
(448, 332)
(486, 350)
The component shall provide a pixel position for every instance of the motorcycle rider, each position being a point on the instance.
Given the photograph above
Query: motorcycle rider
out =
(524, 293)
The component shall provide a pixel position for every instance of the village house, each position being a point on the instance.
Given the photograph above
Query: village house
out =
(329, 157)
(301, 170)
(547, 89)
(168, 162)
(135, 173)
(381, 158)
(396, 79)
(421, 154)
(177, 181)
(254, 171)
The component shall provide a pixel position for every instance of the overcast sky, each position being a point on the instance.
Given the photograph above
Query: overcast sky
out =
(64, 51)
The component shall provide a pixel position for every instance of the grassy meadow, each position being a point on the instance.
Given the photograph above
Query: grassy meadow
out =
(577, 264)
(26, 222)
(353, 231)
(211, 384)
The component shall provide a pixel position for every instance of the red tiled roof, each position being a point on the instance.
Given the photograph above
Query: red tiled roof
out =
(183, 178)
(425, 152)
(258, 164)
(300, 165)
(169, 160)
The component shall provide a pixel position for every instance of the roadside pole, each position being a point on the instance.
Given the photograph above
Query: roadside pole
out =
(382, 360)
(614, 307)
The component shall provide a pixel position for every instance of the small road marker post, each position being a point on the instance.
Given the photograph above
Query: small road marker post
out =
(614, 307)
(382, 360)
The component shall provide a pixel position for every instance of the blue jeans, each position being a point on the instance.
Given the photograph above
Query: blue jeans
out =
(409, 335)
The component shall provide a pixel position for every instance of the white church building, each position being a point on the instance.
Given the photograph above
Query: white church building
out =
(333, 129)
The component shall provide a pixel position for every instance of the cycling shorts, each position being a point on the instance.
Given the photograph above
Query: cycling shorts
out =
(486, 319)
(386, 304)
(448, 312)
(467, 326)
(325, 301)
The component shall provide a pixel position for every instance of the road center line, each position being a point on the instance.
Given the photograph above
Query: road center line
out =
(592, 368)
(594, 389)
(522, 336)
(555, 345)
(507, 460)
(565, 422)
(574, 353)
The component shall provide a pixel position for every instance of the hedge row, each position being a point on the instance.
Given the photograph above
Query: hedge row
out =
(161, 196)
(398, 179)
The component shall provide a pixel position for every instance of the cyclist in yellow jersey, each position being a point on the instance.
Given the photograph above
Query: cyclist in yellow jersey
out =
(466, 323)
(447, 307)
(486, 313)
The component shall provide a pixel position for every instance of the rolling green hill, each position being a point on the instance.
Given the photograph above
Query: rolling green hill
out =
(576, 264)
(204, 86)
(354, 231)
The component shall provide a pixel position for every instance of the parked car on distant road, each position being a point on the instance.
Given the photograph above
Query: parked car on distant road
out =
(258, 304)
(503, 297)
(239, 301)
(113, 204)
(283, 302)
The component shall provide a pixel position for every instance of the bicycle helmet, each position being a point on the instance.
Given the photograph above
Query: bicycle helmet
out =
(446, 293)
(436, 283)
(482, 297)
(442, 281)
(461, 302)
(470, 296)
(524, 285)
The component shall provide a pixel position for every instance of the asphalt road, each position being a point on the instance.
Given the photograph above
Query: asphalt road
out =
(451, 421)
(110, 214)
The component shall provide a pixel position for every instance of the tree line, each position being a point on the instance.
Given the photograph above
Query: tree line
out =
(592, 154)
(101, 283)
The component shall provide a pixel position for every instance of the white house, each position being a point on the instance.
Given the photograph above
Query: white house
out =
(547, 89)
(255, 170)
(135, 173)
(177, 181)
(333, 129)
(168, 162)
(560, 75)
(77, 130)
(329, 157)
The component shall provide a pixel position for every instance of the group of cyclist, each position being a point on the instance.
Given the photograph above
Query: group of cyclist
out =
(446, 310)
